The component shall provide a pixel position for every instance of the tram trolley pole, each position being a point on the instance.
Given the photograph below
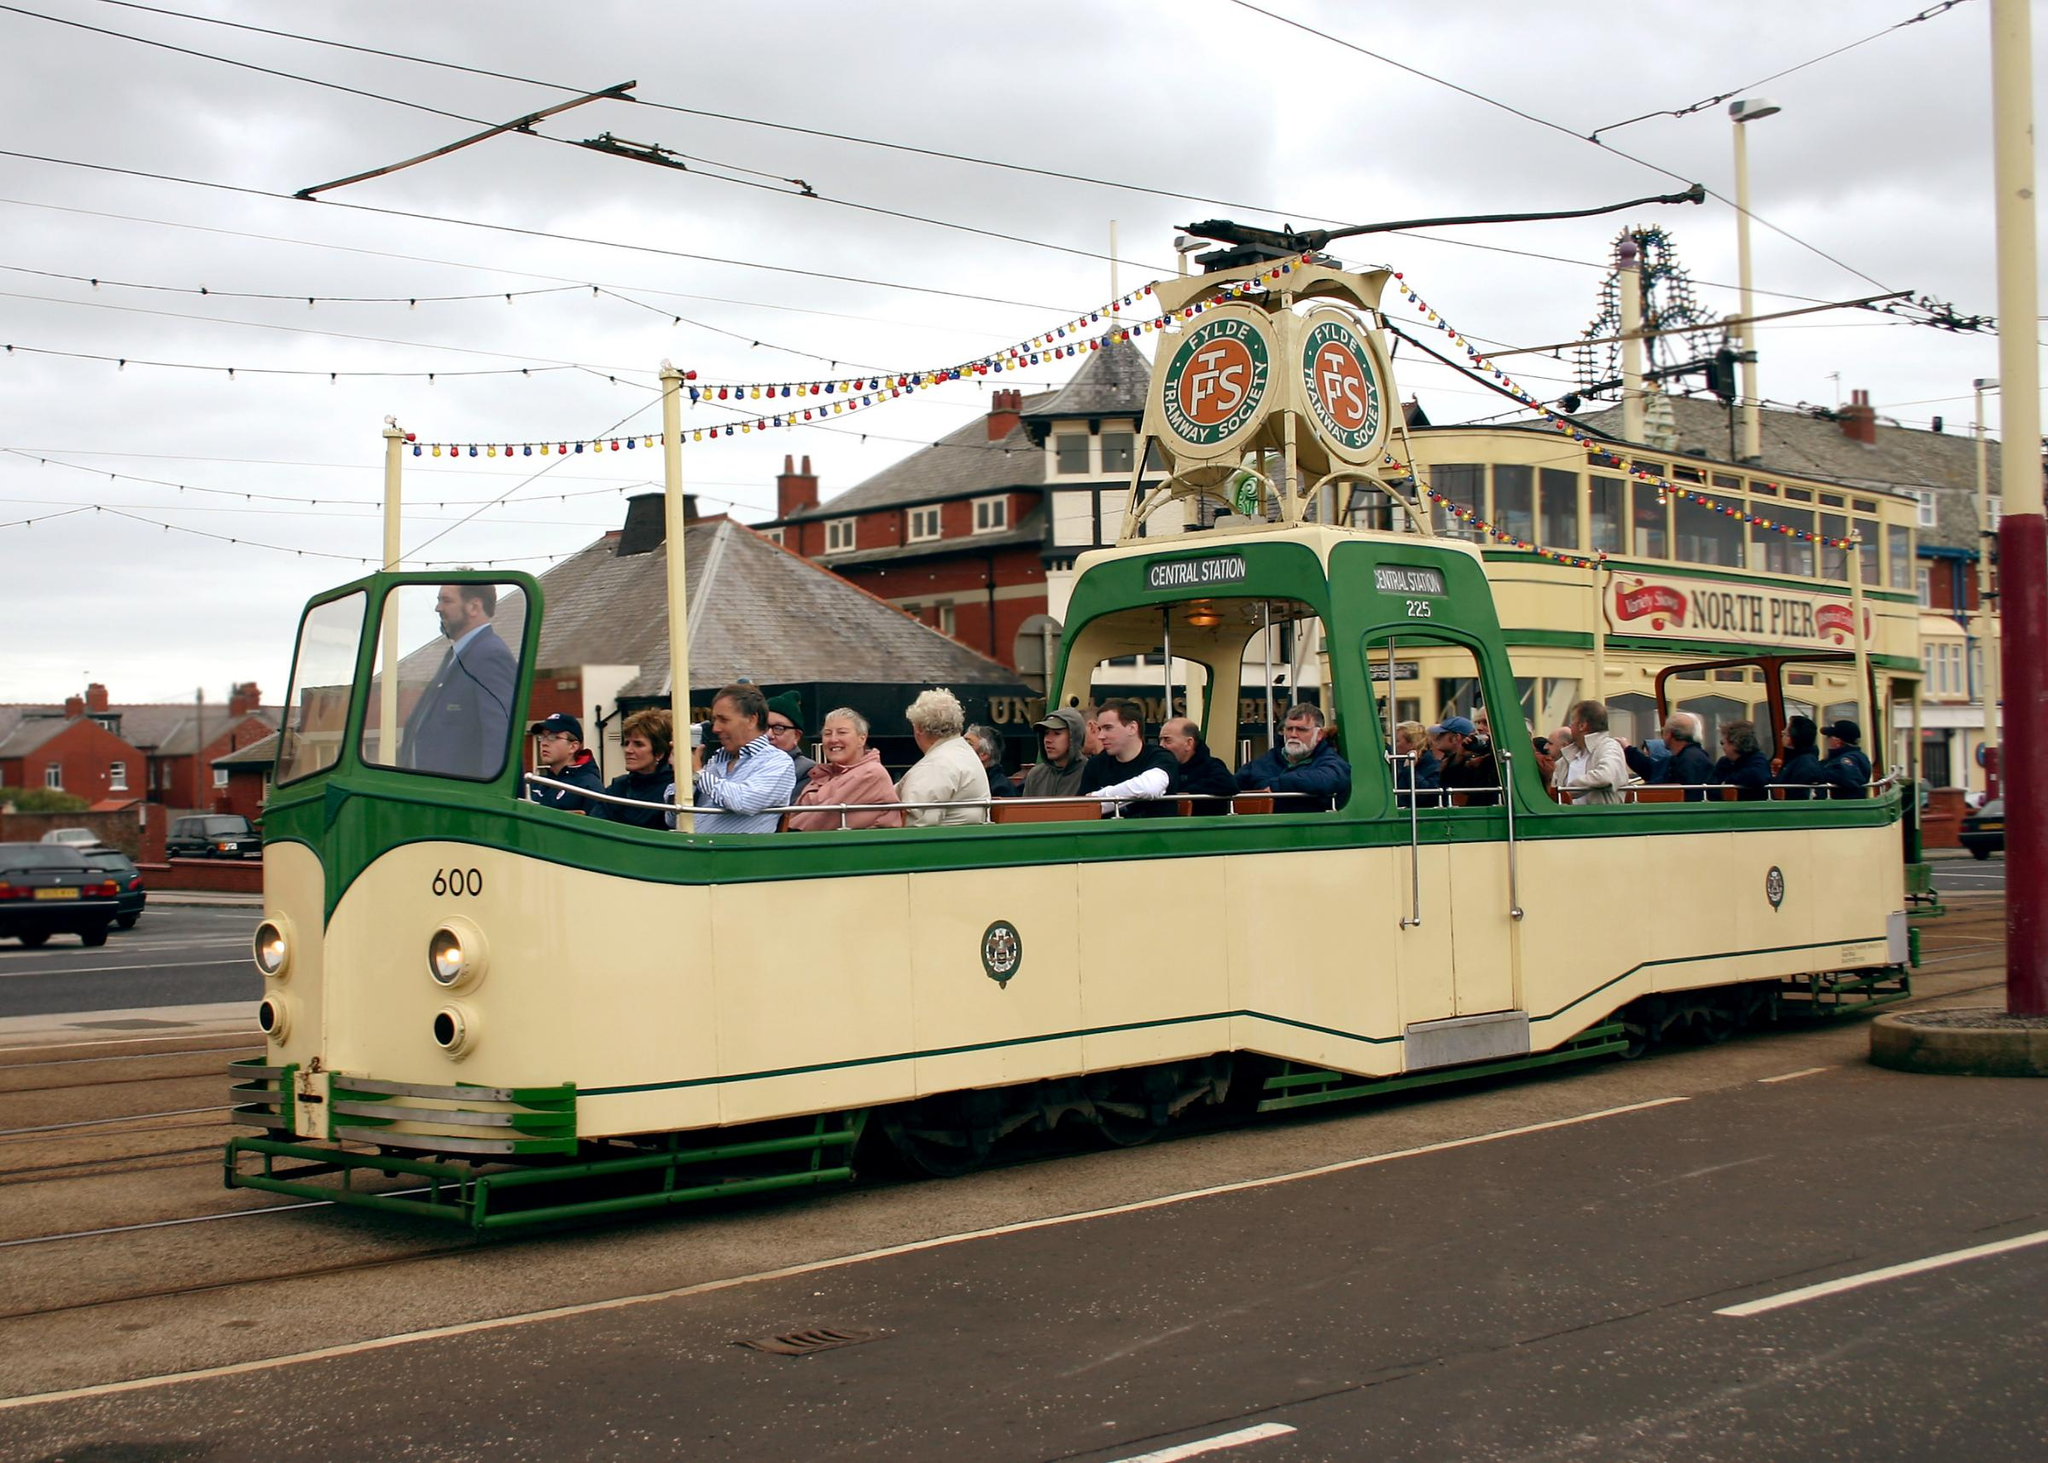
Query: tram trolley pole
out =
(678, 576)
(387, 696)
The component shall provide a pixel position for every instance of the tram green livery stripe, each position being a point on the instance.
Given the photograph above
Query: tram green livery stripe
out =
(1081, 1033)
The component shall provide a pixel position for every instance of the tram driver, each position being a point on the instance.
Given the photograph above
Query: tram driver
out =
(459, 724)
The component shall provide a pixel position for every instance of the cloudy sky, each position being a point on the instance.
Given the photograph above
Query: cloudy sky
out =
(1878, 172)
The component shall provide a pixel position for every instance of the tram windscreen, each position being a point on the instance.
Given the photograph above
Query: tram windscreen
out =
(323, 672)
(450, 704)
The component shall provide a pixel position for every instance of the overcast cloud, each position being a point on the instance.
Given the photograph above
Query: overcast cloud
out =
(1881, 158)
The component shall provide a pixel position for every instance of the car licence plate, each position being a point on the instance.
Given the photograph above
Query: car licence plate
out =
(56, 893)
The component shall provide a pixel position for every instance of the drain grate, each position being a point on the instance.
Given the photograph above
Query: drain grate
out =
(803, 1343)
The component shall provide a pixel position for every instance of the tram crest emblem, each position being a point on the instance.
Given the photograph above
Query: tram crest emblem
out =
(1216, 387)
(1774, 886)
(1002, 952)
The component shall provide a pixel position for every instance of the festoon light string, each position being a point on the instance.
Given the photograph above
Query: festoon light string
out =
(1665, 487)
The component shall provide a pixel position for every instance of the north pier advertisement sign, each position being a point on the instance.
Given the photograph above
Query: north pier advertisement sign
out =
(1698, 609)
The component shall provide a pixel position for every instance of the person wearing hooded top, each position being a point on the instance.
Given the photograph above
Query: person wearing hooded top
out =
(1198, 773)
(1845, 769)
(1304, 762)
(1061, 737)
(1743, 765)
(644, 742)
(1799, 766)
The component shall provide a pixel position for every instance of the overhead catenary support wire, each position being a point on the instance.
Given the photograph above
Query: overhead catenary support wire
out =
(517, 124)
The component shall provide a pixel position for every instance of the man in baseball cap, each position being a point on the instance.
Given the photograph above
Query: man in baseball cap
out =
(563, 758)
(1062, 740)
(1845, 769)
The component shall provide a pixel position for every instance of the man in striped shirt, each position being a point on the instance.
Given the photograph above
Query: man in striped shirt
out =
(747, 773)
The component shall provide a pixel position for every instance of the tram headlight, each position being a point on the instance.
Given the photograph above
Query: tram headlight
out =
(274, 1017)
(456, 954)
(272, 947)
(454, 1030)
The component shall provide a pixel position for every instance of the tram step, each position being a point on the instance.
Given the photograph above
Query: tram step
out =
(1302, 1087)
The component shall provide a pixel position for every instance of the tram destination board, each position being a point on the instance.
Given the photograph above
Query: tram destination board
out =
(1406, 579)
(1196, 573)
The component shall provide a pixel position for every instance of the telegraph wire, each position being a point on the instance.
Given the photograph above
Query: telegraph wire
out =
(231, 372)
(210, 293)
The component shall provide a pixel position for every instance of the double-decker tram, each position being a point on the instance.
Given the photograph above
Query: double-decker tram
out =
(482, 1008)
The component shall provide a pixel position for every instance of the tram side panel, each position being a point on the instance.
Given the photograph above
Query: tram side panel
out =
(294, 888)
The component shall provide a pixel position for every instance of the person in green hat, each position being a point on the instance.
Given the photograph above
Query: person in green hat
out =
(786, 732)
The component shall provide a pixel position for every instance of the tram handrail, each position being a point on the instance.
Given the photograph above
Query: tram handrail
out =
(1508, 777)
(1090, 800)
(1414, 921)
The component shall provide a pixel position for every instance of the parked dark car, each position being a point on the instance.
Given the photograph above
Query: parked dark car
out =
(1983, 832)
(213, 835)
(131, 896)
(47, 889)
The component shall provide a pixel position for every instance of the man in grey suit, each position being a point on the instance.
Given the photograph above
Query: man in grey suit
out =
(461, 724)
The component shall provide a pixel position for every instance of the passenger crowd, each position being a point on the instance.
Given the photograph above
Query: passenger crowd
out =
(748, 774)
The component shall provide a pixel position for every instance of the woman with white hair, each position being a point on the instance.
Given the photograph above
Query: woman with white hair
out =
(949, 779)
(852, 772)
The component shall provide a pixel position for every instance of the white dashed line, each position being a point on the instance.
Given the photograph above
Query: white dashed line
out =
(1802, 1072)
(1213, 1445)
(1889, 1272)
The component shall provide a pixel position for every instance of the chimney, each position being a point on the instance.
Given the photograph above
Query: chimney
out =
(1003, 413)
(1937, 424)
(1859, 419)
(74, 707)
(244, 699)
(795, 491)
(646, 524)
(95, 697)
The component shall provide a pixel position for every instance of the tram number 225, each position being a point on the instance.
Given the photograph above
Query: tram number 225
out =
(1418, 609)
(458, 882)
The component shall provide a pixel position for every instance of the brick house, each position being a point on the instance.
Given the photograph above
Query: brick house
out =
(976, 534)
(67, 750)
(144, 749)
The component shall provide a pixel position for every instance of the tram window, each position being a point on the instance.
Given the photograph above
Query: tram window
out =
(1834, 562)
(1514, 500)
(1684, 474)
(1651, 519)
(457, 676)
(323, 673)
(1456, 696)
(1461, 484)
(1864, 505)
(1632, 716)
(1784, 553)
(1728, 482)
(1866, 549)
(1546, 700)
(1830, 500)
(1768, 490)
(1560, 503)
(1607, 500)
(1714, 713)
(1707, 535)
(1898, 544)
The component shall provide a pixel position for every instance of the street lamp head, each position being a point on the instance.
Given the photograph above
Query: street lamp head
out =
(1753, 109)
(1985, 383)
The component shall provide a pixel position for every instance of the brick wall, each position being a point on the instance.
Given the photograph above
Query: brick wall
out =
(123, 829)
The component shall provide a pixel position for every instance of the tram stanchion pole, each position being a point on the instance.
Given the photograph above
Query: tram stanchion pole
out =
(678, 585)
(387, 696)
(2023, 537)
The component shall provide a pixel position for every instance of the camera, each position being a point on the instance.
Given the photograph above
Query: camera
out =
(700, 733)
(1479, 743)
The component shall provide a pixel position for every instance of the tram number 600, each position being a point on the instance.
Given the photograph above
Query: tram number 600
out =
(459, 882)
(1418, 609)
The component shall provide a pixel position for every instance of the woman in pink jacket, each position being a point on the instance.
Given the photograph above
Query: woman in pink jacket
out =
(850, 773)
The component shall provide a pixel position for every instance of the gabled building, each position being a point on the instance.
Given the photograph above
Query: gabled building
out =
(161, 751)
(976, 534)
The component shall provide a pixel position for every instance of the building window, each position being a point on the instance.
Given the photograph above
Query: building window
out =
(53, 776)
(773, 535)
(1073, 518)
(220, 777)
(1926, 498)
(117, 777)
(924, 524)
(1118, 449)
(991, 514)
(947, 623)
(1070, 454)
(1923, 584)
(839, 535)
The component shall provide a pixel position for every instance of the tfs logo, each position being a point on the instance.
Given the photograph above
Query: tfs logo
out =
(1341, 385)
(1216, 381)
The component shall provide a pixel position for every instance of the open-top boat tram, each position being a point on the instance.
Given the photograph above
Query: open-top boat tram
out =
(482, 1008)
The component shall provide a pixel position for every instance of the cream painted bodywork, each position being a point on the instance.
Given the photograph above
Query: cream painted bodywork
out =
(830, 994)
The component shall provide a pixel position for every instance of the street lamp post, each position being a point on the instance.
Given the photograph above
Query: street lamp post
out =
(1987, 622)
(1750, 109)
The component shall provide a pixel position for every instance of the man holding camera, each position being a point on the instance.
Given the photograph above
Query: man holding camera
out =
(1469, 766)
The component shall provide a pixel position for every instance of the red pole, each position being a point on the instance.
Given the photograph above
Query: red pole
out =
(2022, 534)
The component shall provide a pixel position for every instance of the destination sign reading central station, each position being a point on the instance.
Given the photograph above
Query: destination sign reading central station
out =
(1396, 579)
(1196, 573)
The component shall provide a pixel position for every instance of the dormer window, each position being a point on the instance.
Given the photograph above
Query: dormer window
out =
(924, 524)
(839, 535)
(1118, 450)
(991, 515)
(1070, 454)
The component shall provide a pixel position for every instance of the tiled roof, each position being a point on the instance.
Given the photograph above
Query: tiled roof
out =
(1902, 459)
(1111, 382)
(256, 754)
(756, 611)
(23, 729)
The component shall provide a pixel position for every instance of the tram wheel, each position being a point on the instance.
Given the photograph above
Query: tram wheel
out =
(1714, 1023)
(944, 1136)
(1132, 1107)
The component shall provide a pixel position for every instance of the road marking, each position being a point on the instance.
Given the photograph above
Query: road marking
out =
(1802, 1072)
(1213, 1445)
(65, 1046)
(1873, 1277)
(100, 969)
(808, 1267)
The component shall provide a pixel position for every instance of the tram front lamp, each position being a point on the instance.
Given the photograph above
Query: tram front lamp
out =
(455, 954)
(273, 952)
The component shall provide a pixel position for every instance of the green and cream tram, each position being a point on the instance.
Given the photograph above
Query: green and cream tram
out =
(479, 1007)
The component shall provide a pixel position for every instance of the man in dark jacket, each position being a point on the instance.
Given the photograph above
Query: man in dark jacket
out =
(1845, 769)
(564, 758)
(1688, 764)
(462, 721)
(988, 745)
(1799, 764)
(1198, 773)
(1132, 776)
(1743, 765)
(1304, 762)
(1468, 767)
